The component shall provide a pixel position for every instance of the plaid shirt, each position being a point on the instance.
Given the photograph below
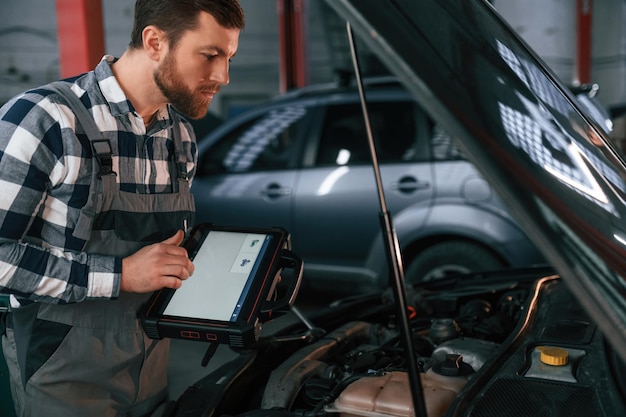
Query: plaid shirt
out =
(45, 176)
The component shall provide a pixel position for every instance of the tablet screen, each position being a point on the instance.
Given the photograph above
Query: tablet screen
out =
(225, 266)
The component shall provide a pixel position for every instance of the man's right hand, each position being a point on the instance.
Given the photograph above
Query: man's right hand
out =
(156, 266)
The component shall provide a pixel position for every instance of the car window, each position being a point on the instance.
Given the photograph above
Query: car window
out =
(344, 140)
(266, 142)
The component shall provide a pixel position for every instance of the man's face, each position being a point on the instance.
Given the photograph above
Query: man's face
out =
(194, 71)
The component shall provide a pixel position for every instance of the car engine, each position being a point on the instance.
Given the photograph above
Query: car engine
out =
(360, 368)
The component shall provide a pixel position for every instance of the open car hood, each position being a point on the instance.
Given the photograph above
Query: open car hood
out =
(560, 176)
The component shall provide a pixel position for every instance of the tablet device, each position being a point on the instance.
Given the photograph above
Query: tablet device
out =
(228, 296)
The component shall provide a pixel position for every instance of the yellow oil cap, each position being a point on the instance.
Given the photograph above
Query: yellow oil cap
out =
(554, 356)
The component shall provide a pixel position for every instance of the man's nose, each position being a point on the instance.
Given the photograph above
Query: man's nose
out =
(219, 73)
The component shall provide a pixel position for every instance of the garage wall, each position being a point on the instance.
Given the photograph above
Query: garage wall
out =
(29, 54)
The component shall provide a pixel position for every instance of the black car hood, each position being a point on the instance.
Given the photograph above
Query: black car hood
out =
(561, 178)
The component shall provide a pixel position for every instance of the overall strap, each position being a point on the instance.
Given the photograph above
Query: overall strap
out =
(101, 148)
(179, 162)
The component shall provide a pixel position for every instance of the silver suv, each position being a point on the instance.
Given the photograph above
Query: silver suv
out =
(302, 162)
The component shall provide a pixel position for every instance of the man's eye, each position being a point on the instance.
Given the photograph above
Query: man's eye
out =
(210, 57)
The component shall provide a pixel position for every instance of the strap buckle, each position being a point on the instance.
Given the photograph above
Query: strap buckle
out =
(103, 152)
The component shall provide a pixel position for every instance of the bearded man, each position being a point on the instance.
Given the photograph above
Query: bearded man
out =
(90, 227)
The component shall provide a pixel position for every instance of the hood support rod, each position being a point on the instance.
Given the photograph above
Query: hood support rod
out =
(394, 257)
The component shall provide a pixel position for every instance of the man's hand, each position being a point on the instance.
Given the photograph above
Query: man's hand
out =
(156, 266)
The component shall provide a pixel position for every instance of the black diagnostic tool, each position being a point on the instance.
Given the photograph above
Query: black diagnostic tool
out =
(232, 289)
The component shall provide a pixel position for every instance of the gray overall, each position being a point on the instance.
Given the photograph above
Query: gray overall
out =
(95, 352)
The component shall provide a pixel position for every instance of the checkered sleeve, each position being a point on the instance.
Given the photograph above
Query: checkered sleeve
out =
(44, 181)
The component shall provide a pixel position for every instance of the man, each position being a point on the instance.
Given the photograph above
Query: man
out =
(81, 250)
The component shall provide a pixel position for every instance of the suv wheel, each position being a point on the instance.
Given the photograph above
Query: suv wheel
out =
(450, 258)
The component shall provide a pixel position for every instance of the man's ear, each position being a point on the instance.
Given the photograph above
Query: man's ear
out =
(153, 42)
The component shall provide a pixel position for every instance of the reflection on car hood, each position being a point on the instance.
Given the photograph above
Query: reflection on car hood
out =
(561, 178)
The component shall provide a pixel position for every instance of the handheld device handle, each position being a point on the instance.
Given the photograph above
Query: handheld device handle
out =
(273, 308)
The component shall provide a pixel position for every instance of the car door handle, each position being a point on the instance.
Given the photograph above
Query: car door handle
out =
(409, 184)
(275, 190)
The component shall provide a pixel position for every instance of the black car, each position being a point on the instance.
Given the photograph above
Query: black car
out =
(547, 341)
(535, 341)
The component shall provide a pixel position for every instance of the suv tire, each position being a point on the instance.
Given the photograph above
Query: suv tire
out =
(450, 258)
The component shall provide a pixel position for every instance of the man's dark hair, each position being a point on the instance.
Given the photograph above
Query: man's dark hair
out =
(175, 17)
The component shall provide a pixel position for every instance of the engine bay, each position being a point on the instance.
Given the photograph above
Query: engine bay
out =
(517, 346)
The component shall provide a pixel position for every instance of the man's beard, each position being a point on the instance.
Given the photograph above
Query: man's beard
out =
(170, 82)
